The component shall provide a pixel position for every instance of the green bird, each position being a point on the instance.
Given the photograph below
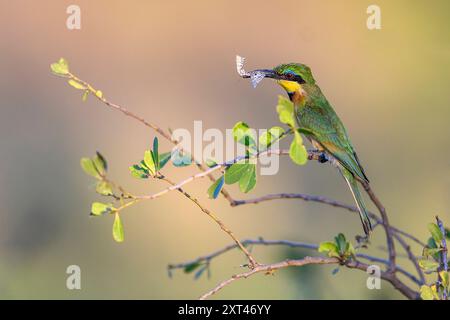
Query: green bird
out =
(318, 121)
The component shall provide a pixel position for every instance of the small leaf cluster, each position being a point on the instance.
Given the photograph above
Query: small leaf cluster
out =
(61, 68)
(286, 114)
(97, 167)
(339, 248)
(152, 163)
(432, 263)
(200, 267)
(243, 172)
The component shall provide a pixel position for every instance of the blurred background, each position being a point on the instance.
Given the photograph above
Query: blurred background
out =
(173, 63)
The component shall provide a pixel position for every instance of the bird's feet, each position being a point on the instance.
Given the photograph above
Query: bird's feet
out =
(322, 157)
(362, 241)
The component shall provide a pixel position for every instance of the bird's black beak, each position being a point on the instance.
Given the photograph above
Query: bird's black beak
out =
(268, 73)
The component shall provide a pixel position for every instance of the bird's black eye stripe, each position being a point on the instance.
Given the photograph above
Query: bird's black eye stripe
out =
(294, 77)
(299, 79)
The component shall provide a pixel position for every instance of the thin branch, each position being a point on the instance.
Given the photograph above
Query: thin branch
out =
(338, 204)
(269, 269)
(320, 199)
(252, 261)
(443, 256)
(411, 257)
(152, 126)
(384, 217)
(312, 155)
(353, 264)
(293, 244)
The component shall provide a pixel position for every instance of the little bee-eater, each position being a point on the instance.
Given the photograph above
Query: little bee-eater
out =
(321, 125)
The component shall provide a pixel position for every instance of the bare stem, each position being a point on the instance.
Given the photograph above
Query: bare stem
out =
(241, 246)
(443, 256)
(152, 126)
(385, 223)
(353, 264)
(294, 244)
(269, 269)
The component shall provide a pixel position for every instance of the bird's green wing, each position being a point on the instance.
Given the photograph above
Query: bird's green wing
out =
(318, 117)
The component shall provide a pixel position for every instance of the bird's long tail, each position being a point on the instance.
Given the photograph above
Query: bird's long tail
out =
(363, 213)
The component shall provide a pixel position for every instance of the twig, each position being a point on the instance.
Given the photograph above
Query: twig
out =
(293, 244)
(252, 261)
(152, 126)
(269, 268)
(353, 264)
(338, 204)
(320, 199)
(411, 257)
(443, 255)
(311, 155)
(384, 217)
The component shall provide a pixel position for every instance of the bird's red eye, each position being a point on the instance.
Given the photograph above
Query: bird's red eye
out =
(290, 76)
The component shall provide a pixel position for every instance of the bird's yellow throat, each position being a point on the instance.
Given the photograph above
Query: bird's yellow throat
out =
(295, 91)
(290, 86)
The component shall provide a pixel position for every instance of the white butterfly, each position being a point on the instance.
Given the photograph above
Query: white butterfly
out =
(255, 76)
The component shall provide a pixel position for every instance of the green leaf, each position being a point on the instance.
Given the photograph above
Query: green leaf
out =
(191, 267)
(99, 208)
(430, 252)
(211, 163)
(426, 293)
(180, 159)
(117, 228)
(248, 180)
(104, 188)
(139, 172)
(89, 167)
(285, 109)
(243, 134)
(235, 172)
(350, 250)
(163, 159)
(431, 243)
(61, 67)
(341, 243)
(268, 137)
(199, 273)
(330, 248)
(155, 153)
(76, 84)
(149, 161)
(428, 265)
(214, 189)
(335, 271)
(445, 278)
(85, 95)
(435, 232)
(100, 163)
(297, 151)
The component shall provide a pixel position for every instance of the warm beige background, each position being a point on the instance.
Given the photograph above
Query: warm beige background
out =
(173, 63)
